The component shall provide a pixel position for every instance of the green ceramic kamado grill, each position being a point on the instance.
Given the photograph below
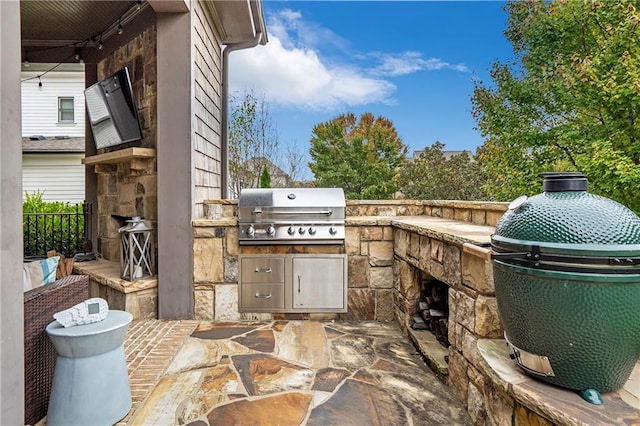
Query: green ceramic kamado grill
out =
(567, 279)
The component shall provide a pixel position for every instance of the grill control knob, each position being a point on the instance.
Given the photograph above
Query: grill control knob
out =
(250, 230)
(312, 230)
(271, 230)
(302, 230)
(291, 230)
(333, 230)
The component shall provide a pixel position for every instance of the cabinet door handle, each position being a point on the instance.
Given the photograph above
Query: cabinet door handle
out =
(298, 283)
(263, 296)
(265, 270)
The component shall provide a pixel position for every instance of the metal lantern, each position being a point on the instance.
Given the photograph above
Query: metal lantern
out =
(136, 249)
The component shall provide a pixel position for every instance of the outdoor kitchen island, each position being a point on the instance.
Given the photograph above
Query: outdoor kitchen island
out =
(392, 246)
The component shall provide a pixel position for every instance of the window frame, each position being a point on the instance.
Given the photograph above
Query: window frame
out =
(62, 110)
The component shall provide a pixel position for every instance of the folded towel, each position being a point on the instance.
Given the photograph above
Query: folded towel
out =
(91, 310)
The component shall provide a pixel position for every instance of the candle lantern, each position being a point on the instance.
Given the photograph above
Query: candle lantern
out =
(136, 249)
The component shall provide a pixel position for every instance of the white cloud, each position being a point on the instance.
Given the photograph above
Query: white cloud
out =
(290, 71)
(298, 77)
(410, 62)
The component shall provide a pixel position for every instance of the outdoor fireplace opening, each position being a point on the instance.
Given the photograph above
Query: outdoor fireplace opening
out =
(432, 310)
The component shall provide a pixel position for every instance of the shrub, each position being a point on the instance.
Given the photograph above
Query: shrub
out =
(51, 226)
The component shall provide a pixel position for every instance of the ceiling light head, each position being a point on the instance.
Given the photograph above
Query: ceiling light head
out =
(120, 28)
(100, 44)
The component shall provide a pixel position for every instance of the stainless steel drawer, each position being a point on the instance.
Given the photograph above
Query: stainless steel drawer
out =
(262, 297)
(262, 269)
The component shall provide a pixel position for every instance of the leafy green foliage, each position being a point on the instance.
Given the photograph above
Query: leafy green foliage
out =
(432, 176)
(361, 156)
(51, 226)
(265, 177)
(570, 102)
(34, 203)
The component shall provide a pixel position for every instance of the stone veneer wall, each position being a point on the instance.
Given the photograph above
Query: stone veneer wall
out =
(473, 312)
(129, 188)
(373, 273)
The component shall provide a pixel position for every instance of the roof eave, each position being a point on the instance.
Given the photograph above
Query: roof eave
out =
(238, 21)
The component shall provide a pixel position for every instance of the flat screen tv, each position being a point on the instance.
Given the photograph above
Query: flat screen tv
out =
(112, 111)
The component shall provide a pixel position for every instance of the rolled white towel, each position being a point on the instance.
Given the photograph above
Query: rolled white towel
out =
(91, 310)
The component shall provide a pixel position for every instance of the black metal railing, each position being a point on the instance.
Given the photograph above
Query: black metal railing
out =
(66, 233)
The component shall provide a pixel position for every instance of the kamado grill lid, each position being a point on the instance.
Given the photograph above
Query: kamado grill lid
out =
(566, 228)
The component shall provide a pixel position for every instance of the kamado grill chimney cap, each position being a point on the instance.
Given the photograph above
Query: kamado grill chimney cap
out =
(563, 181)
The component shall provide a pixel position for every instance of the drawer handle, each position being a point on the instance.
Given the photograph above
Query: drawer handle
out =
(263, 296)
(265, 270)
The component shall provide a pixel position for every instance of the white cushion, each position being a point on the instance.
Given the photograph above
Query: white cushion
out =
(39, 272)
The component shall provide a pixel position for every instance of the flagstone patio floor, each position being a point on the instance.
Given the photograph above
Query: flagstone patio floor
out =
(281, 373)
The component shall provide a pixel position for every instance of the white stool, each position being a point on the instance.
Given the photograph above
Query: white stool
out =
(90, 380)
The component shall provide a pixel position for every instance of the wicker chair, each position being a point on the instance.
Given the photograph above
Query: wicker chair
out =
(39, 354)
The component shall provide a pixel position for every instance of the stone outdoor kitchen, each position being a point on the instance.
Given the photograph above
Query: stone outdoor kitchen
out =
(394, 249)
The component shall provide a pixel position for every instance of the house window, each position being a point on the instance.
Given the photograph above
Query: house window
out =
(65, 110)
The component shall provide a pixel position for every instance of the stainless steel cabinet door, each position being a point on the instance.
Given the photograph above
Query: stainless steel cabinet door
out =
(319, 282)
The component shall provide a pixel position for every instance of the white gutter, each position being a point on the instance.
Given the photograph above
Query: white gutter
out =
(225, 107)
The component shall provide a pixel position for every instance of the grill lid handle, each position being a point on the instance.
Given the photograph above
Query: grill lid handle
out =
(258, 210)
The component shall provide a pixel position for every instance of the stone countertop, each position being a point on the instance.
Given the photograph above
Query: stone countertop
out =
(108, 273)
(448, 230)
(224, 222)
(561, 406)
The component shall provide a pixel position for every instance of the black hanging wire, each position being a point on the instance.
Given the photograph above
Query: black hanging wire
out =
(78, 45)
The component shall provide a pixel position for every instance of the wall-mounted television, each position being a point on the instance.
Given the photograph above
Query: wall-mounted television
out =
(112, 111)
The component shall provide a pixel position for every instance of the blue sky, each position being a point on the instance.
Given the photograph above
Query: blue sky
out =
(412, 62)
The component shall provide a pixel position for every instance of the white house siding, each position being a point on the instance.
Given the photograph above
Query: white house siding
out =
(206, 112)
(60, 176)
(40, 104)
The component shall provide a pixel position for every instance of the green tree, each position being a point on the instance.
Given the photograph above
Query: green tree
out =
(433, 176)
(569, 102)
(265, 177)
(253, 139)
(361, 156)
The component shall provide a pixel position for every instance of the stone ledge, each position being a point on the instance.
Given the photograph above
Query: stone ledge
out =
(225, 221)
(368, 220)
(120, 156)
(139, 298)
(561, 406)
(108, 273)
(448, 230)
(434, 354)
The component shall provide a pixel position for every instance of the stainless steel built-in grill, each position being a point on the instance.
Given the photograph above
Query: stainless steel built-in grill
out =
(291, 216)
(298, 281)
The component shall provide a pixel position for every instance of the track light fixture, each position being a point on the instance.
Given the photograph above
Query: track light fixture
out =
(120, 28)
(100, 44)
